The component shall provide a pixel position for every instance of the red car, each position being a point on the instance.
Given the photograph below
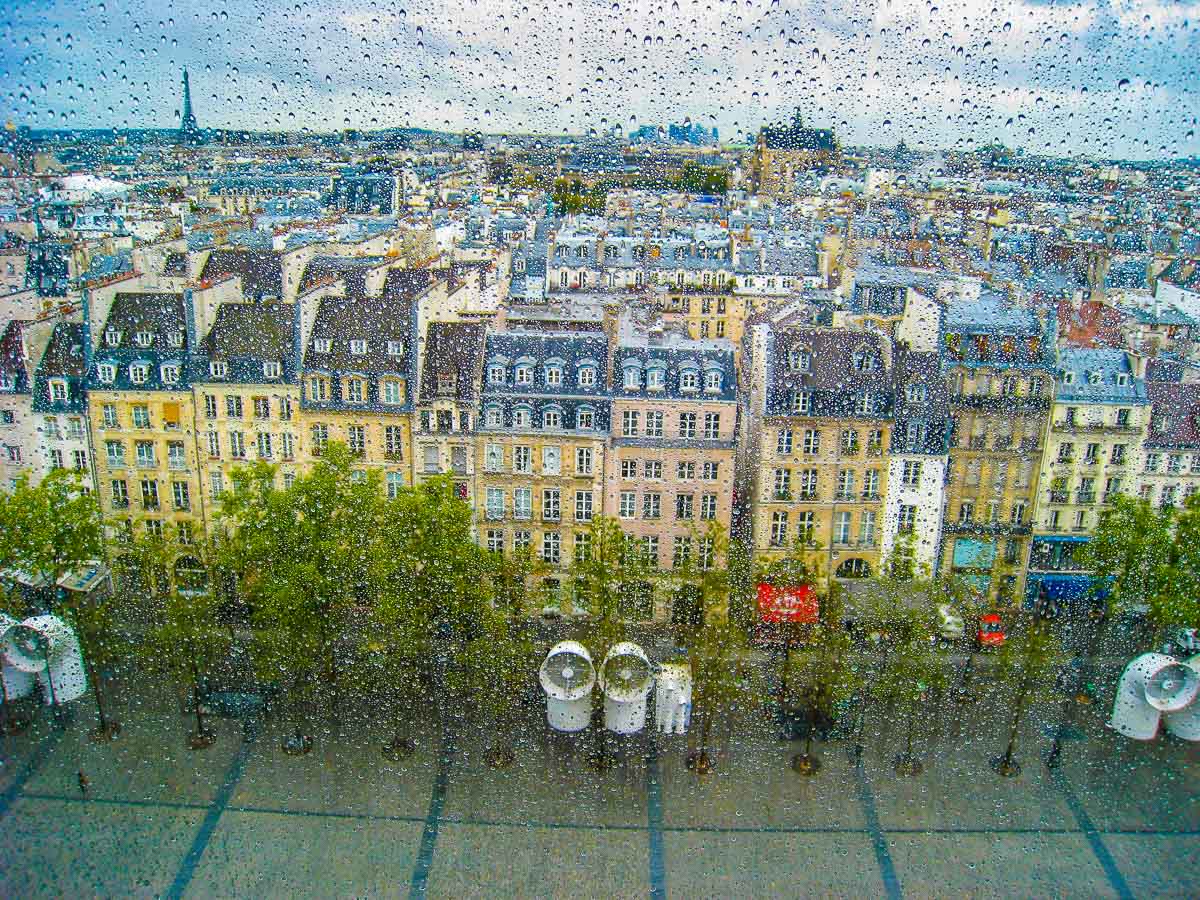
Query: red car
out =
(991, 631)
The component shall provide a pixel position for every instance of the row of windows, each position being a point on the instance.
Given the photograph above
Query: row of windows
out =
(145, 454)
(139, 372)
(652, 469)
(811, 438)
(140, 417)
(866, 404)
(843, 527)
(355, 389)
(551, 417)
(523, 458)
(655, 378)
(356, 439)
(180, 495)
(235, 407)
(800, 359)
(651, 505)
(1091, 455)
(79, 459)
(112, 338)
(552, 374)
(807, 484)
(266, 445)
(357, 346)
(992, 513)
(631, 424)
(52, 430)
(646, 548)
(522, 504)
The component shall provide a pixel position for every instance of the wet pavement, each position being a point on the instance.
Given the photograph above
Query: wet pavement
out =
(1118, 818)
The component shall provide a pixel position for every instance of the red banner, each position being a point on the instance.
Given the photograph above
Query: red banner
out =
(787, 604)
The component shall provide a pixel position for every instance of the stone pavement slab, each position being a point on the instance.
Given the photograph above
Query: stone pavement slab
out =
(766, 864)
(1157, 865)
(90, 848)
(517, 861)
(274, 855)
(997, 865)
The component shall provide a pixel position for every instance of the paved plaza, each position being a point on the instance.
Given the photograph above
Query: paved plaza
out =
(239, 819)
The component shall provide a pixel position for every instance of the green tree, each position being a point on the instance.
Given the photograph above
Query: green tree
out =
(1180, 606)
(822, 677)
(602, 571)
(305, 557)
(1132, 554)
(494, 667)
(1028, 657)
(186, 641)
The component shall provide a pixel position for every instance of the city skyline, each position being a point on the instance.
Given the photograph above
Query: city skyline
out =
(1086, 78)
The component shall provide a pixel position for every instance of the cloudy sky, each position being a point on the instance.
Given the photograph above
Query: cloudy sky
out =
(1102, 78)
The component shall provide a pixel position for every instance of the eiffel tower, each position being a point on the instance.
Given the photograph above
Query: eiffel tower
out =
(189, 131)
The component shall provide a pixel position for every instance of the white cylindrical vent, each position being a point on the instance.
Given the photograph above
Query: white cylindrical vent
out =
(46, 647)
(568, 676)
(17, 683)
(1152, 684)
(1185, 723)
(626, 677)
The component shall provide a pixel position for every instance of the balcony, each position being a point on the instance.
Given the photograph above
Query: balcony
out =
(151, 505)
(849, 450)
(843, 496)
(1110, 496)
(1058, 496)
(177, 465)
(1064, 460)
(1028, 445)
(1118, 461)
(871, 497)
(1085, 497)
(120, 504)
(874, 450)
(781, 496)
(1093, 428)
(183, 507)
(494, 515)
(1090, 461)
(807, 495)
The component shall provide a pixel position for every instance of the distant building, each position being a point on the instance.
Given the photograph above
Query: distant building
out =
(782, 151)
(189, 131)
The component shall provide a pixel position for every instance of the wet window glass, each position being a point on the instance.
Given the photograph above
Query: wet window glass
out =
(677, 448)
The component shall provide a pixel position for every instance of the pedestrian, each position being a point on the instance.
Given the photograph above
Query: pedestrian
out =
(84, 783)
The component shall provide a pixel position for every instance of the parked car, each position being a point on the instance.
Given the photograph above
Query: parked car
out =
(990, 632)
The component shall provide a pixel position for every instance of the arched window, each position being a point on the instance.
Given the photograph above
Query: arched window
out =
(853, 568)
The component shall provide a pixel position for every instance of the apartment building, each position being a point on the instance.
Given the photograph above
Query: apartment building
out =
(1170, 464)
(59, 398)
(1000, 361)
(1098, 422)
(246, 394)
(21, 452)
(669, 471)
(358, 357)
(917, 457)
(448, 400)
(141, 412)
(543, 423)
(824, 399)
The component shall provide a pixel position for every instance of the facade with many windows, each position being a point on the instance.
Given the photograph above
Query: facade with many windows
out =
(543, 423)
(1000, 365)
(670, 472)
(246, 398)
(444, 421)
(60, 403)
(142, 415)
(826, 403)
(1093, 453)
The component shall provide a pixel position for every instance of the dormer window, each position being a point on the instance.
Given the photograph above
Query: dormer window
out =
(1122, 379)
(656, 378)
(587, 376)
(496, 374)
(1163, 423)
(866, 404)
(218, 369)
(799, 360)
(143, 338)
(523, 374)
(689, 380)
(522, 416)
(170, 373)
(865, 361)
(356, 390)
(1094, 377)
(175, 339)
(139, 373)
(358, 347)
(801, 402)
(112, 337)
(553, 376)
(493, 416)
(272, 369)
(632, 378)
(1068, 377)
(321, 345)
(58, 390)
(712, 381)
(917, 393)
(106, 372)
(446, 383)
(395, 348)
(552, 418)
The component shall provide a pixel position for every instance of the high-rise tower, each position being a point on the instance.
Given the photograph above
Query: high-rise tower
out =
(189, 131)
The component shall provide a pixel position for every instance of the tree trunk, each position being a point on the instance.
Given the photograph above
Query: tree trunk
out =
(99, 692)
(196, 701)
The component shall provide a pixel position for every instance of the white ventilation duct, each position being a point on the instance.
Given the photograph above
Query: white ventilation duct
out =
(568, 676)
(673, 698)
(1152, 684)
(626, 677)
(46, 647)
(17, 683)
(1185, 723)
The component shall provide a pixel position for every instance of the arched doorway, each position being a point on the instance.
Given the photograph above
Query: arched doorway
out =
(853, 568)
